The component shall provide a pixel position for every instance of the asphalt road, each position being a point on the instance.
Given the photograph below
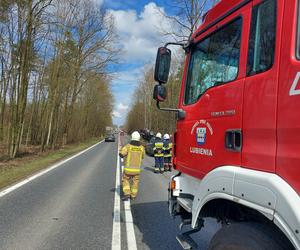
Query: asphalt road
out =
(154, 228)
(72, 207)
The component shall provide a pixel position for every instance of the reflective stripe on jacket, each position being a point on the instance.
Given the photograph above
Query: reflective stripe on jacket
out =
(158, 148)
(168, 149)
(133, 158)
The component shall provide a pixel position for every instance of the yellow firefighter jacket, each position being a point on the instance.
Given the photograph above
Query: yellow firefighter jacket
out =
(158, 148)
(168, 149)
(133, 158)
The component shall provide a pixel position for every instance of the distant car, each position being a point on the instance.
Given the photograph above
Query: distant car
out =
(146, 134)
(110, 138)
(149, 147)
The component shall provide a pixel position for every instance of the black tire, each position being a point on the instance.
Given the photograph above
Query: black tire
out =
(248, 236)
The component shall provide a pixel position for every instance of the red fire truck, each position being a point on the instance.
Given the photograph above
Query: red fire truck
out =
(237, 143)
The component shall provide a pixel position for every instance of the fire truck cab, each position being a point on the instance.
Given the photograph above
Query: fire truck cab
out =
(237, 143)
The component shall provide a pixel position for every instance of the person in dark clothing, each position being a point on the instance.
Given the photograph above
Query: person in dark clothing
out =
(167, 153)
(158, 154)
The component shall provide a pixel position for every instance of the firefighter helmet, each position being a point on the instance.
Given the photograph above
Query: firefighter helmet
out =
(166, 137)
(135, 136)
(158, 135)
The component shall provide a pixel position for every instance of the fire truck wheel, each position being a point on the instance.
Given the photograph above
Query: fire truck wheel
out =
(238, 236)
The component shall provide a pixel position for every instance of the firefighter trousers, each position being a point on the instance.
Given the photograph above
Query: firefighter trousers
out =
(159, 162)
(130, 184)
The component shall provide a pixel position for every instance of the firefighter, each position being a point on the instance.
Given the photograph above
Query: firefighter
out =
(158, 154)
(167, 153)
(133, 153)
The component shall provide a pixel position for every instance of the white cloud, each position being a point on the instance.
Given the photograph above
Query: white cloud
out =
(122, 107)
(128, 77)
(120, 111)
(139, 34)
(116, 114)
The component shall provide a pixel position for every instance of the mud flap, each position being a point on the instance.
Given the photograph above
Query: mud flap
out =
(172, 203)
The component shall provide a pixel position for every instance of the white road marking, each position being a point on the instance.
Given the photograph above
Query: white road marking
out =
(116, 240)
(116, 233)
(31, 178)
(131, 241)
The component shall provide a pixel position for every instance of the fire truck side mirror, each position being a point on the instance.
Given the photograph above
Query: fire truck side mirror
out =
(160, 93)
(162, 65)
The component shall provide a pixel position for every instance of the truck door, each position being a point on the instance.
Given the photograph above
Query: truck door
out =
(288, 156)
(212, 96)
(261, 86)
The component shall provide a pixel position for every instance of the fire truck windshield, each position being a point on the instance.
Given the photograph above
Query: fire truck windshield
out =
(214, 61)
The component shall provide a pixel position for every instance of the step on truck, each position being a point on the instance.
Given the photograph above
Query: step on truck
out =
(237, 141)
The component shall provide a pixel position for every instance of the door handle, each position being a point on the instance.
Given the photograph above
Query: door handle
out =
(233, 140)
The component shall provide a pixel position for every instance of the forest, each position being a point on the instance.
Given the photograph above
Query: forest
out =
(55, 59)
(56, 69)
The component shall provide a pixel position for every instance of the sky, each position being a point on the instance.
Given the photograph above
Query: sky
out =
(137, 24)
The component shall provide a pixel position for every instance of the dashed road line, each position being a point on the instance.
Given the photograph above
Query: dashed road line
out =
(31, 178)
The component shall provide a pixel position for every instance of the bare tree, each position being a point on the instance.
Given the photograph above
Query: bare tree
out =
(143, 113)
(93, 39)
(188, 16)
(54, 84)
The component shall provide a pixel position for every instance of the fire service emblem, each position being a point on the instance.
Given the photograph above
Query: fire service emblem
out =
(201, 136)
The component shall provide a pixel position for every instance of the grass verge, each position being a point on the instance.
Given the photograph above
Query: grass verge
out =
(14, 171)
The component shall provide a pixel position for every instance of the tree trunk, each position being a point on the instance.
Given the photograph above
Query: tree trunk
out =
(49, 128)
